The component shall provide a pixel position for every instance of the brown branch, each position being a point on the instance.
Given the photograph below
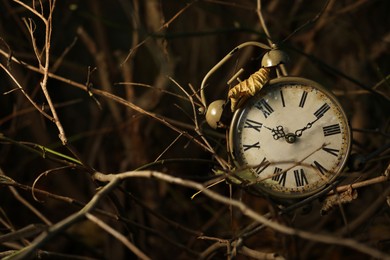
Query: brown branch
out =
(322, 238)
(45, 66)
(25, 94)
(111, 96)
(118, 236)
(53, 230)
(164, 26)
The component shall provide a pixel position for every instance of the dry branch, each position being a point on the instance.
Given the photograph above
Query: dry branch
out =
(244, 209)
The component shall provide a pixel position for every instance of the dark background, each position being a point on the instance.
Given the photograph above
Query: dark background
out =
(346, 48)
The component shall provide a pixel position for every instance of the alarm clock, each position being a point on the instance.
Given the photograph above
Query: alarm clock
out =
(289, 137)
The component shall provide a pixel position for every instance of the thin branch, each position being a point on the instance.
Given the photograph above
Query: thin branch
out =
(29, 206)
(262, 22)
(45, 67)
(254, 254)
(322, 238)
(39, 177)
(111, 96)
(118, 236)
(156, 89)
(361, 184)
(5, 180)
(25, 94)
(220, 160)
(164, 26)
(42, 239)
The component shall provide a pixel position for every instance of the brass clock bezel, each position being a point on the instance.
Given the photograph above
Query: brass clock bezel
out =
(247, 176)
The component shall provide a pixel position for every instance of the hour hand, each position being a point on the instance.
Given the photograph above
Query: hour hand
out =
(277, 132)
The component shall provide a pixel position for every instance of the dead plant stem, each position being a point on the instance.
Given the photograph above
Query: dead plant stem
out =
(322, 238)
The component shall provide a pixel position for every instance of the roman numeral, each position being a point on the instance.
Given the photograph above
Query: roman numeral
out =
(332, 151)
(250, 146)
(279, 177)
(265, 108)
(300, 177)
(262, 166)
(253, 124)
(282, 98)
(331, 129)
(303, 99)
(319, 167)
(322, 110)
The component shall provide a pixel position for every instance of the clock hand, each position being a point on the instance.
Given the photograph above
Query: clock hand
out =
(276, 133)
(299, 132)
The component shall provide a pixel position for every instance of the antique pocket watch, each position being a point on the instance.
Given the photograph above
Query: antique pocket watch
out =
(290, 139)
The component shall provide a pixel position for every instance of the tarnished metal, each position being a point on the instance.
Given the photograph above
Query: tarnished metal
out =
(214, 113)
(274, 58)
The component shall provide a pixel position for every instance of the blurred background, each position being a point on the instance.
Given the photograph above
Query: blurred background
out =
(141, 51)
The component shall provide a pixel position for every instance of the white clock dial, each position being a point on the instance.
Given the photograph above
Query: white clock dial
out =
(293, 137)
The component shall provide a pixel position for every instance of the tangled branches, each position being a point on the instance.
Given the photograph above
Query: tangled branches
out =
(120, 181)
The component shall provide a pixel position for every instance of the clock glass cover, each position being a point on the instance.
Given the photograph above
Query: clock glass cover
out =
(291, 139)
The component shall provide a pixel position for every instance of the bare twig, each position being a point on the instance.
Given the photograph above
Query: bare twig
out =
(25, 94)
(64, 224)
(221, 161)
(111, 96)
(30, 206)
(156, 89)
(118, 236)
(262, 22)
(360, 184)
(215, 246)
(328, 239)
(164, 26)
(254, 254)
(321, 20)
(44, 68)
(102, 66)
(39, 177)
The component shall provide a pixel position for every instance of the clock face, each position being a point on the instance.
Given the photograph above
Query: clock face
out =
(290, 140)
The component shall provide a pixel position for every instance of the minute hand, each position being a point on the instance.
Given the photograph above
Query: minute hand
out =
(299, 132)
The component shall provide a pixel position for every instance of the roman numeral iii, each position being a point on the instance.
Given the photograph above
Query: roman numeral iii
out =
(331, 129)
